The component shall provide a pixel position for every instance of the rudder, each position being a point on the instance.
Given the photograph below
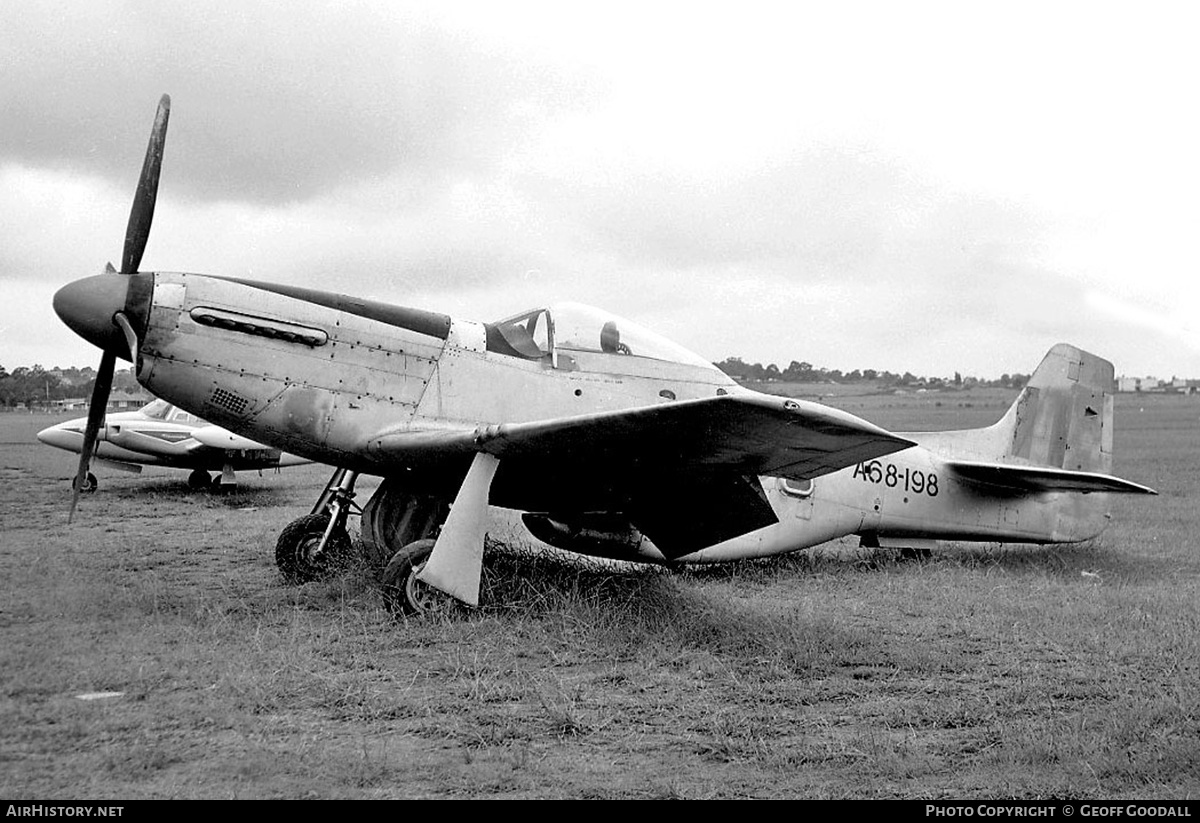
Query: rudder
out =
(1064, 415)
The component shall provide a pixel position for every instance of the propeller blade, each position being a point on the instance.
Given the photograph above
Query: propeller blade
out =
(104, 380)
(142, 212)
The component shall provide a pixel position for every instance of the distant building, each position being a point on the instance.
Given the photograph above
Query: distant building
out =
(128, 400)
(117, 401)
(1138, 384)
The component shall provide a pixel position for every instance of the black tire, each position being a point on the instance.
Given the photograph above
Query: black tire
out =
(395, 516)
(299, 540)
(403, 593)
(90, 483)
(199, 479)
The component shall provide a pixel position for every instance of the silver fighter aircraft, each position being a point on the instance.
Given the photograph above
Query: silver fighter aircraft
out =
(611, 440)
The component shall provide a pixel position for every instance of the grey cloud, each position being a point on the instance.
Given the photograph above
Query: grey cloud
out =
(823, 209)
(272, 103)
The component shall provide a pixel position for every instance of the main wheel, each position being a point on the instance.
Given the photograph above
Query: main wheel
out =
(90, 483)
(403, 593)
(296, 550)
(395, 516)
(199, 479)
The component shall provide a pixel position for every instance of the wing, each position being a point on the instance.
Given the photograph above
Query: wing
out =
(685, 472)
(1043, 478)
(746, 434)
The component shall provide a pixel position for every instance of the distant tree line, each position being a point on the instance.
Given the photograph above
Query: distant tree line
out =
(38, 387)
(801, 372)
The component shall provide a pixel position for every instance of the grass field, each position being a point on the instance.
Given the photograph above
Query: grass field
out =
(987, 672)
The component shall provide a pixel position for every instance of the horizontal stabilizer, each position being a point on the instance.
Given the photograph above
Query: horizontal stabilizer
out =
(1043, 478)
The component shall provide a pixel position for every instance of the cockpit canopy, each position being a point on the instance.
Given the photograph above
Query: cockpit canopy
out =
(574, 327)
(162, 410)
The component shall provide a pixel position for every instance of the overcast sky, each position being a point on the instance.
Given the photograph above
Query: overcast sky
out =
(909, 186)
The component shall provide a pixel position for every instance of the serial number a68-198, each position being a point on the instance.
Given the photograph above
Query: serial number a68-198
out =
(909, 479)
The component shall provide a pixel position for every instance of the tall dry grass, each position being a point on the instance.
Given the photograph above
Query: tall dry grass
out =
(985, 671)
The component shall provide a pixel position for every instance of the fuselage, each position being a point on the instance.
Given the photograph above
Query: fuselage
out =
(907, 499)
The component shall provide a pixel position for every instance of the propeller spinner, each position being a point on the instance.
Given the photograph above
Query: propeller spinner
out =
(94, 307)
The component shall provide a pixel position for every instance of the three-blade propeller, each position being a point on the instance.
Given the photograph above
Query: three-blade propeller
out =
(141, 215)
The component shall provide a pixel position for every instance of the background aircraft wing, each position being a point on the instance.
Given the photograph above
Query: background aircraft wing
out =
(1043, 478)
(215, 437)
(686, 473)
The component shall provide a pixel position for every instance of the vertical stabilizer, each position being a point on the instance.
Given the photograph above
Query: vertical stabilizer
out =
(1064, 416)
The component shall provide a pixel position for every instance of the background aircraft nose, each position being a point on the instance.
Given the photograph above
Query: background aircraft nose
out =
(67, 435)
(88, 306)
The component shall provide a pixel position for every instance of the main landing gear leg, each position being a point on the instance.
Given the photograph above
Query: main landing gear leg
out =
(317, 545)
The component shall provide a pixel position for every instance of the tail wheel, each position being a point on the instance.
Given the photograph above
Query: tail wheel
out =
(297, 551)
(403, 593)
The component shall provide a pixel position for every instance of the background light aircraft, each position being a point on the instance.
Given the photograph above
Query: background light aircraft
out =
(613, 440)
(159, 434)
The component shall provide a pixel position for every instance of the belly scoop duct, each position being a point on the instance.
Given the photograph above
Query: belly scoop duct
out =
(594, 534)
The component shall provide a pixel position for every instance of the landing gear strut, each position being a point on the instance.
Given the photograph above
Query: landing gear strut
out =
(317, 545)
